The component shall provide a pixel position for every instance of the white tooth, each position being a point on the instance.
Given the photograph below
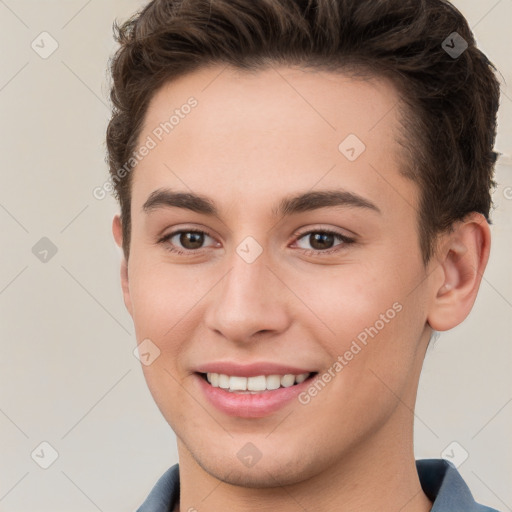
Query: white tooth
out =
(254, 384)
(214, 380)
(238, 383)
(301, 378)
(223, 381)
(273, 381)
(287, 380)
(258, 383)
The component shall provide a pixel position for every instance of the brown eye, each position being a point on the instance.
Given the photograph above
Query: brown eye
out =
(321, 241)
(185, 241)
(191, 239)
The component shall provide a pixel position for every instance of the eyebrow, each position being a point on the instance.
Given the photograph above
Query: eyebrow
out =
(308, 201)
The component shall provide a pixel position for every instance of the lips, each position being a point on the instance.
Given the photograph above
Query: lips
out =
(250, 404)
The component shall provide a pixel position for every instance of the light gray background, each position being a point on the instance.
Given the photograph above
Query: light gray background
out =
(67, 372)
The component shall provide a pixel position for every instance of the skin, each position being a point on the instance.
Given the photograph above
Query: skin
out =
(254, 139)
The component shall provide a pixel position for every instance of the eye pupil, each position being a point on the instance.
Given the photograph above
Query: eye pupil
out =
(194, 239)
(323, 239)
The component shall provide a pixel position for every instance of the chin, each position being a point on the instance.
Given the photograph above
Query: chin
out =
(275, 470)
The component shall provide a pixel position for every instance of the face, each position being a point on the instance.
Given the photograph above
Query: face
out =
(300, 251)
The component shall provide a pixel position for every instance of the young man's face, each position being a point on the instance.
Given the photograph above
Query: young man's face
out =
(263, 285)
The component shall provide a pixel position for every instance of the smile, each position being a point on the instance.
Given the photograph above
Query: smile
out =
(232, 394)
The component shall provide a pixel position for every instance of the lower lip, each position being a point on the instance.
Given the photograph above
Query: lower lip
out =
(247, 405)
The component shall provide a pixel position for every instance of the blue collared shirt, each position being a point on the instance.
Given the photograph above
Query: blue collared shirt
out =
(440, 480)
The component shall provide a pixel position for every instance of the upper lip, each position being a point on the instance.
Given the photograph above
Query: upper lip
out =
(250, 370)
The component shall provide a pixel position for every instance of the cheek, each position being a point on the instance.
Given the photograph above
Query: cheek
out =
(164, 302)
(162, 296)
(345, 299)
(367, 315)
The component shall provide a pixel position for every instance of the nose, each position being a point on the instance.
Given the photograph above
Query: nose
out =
(250, 300)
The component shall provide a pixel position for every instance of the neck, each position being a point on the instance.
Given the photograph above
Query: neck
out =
(379, 474)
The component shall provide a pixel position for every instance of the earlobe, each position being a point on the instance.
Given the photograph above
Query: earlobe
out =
(117, 231)
(462, 256)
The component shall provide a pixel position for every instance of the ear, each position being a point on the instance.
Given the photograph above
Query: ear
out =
(117, 231)
(462, 256)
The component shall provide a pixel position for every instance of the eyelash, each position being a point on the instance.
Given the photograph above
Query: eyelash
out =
(346, 241)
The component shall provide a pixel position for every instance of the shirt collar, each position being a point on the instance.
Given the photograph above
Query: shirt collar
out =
(444, 486)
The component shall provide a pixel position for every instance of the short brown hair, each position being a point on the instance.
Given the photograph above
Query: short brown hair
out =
(449, 102)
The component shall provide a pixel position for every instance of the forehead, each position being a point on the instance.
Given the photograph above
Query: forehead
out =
(268, 130)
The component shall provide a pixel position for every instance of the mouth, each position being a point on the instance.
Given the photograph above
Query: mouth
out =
(256, 384)
(255, 396)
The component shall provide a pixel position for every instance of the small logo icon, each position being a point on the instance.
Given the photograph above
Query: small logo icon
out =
(455, 453)
(352, 147)
(44, 455)
(507, 193)
(146, 352)
(44, 250)
(249, 455)
(44, 45)
(249, 249)
(454, 45)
